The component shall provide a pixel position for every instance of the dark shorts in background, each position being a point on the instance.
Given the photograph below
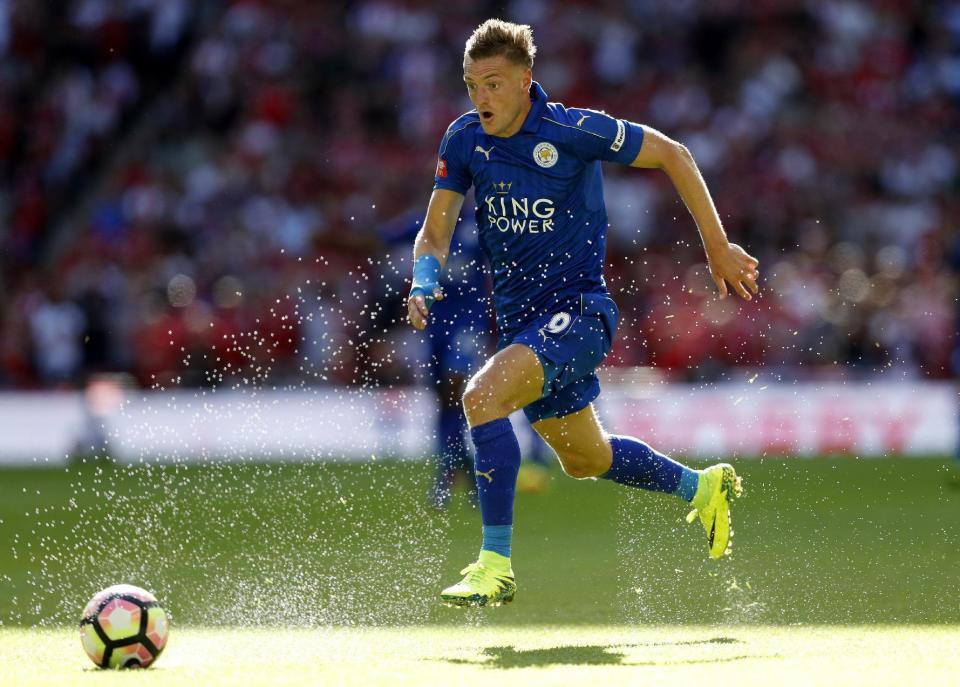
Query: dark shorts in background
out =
(571, 343)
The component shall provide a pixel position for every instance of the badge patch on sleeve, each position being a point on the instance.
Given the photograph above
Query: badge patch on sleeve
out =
(621, 136)
(441, 168)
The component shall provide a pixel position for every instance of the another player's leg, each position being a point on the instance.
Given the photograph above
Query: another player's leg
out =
(510, 380)
(452, 454)
(586, 450)
(534, 475)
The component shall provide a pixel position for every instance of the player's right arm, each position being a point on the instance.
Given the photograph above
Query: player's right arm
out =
(430, 250)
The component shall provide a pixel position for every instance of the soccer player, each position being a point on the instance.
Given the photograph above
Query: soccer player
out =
(535, 168)
(457, 336)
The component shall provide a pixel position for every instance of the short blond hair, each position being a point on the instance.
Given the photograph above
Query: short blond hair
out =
(497, 37)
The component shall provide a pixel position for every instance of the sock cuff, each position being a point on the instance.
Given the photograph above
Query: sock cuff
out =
(616, 450)
(689, 481)
(618, 443)
(489, 431)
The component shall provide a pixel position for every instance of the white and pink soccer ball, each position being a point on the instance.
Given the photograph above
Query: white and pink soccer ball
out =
(124, 627)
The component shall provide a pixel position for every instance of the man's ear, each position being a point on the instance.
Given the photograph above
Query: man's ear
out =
(527, 78)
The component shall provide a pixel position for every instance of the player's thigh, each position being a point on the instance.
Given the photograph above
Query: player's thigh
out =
(509, 380)
(581, 443)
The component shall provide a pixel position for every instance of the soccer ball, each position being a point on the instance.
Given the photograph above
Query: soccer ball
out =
(124, 627)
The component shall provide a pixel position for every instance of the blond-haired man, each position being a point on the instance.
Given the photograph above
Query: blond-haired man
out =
(535, 168)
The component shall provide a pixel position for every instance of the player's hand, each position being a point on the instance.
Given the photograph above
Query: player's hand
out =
(418, 309)
(733, 265)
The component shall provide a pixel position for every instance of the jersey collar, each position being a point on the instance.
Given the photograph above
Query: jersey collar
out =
(539, 103)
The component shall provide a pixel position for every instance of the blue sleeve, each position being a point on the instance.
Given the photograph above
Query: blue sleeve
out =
(452, 172)
(598, 136)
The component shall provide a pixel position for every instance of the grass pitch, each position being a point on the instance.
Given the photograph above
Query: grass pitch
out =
(532, 656)
(843, 571)
(829, 541)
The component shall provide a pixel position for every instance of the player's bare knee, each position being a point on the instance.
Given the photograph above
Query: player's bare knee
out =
(472, 399)
(581, 465)
(579, 470)
(483, 403)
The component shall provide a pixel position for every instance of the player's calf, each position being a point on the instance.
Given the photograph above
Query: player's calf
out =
(582, 465)
(579, 441)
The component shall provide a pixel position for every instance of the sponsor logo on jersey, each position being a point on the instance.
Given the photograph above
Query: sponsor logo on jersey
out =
(545, 154)
(583, 118)
(441, 168)
(506, 213)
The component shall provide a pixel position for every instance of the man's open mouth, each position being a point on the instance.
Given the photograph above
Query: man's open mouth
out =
(486, 115)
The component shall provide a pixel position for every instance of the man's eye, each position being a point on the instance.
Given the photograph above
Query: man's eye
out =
(494, 86)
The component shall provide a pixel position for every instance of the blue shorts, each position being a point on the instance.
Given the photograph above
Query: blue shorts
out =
(570, 343)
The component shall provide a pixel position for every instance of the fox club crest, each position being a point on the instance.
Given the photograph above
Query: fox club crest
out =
(545, 154)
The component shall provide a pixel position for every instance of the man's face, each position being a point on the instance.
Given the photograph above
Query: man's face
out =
(500, 90)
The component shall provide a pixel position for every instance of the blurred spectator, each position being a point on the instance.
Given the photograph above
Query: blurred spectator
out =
(241, 242)
(56, 328)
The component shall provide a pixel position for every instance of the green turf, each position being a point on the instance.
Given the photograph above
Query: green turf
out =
(531, 656)
(839, 541)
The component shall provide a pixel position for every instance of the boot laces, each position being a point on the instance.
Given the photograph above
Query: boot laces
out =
(475, 574)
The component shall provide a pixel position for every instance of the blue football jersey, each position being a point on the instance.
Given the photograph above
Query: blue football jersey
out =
(540, 212)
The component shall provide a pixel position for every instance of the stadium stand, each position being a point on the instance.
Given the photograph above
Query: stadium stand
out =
(239, 239)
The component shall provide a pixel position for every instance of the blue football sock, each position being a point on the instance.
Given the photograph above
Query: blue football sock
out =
(452, 445)
(637, 465)
(451, 453)
(689, 481)
(495, 467)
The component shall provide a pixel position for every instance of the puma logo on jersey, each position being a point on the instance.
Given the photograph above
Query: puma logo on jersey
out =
(486, 153)
(485, 474)
(583, 117)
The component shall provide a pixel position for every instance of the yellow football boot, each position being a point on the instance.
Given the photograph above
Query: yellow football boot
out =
(488, 582)
(717, 487)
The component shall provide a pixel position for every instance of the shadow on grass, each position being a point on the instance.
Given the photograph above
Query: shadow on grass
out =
(591, 655)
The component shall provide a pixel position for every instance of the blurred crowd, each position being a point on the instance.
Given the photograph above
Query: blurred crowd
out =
(206, 193)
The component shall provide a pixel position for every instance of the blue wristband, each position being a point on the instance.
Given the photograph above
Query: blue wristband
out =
(426, 277)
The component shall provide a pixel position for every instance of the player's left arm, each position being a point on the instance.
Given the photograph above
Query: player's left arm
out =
(728, 262)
